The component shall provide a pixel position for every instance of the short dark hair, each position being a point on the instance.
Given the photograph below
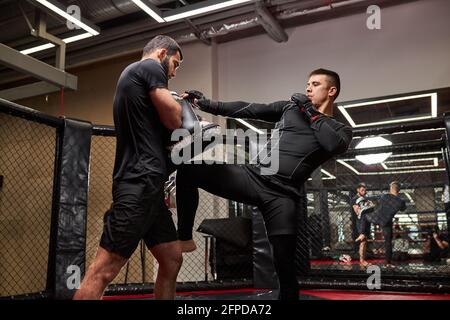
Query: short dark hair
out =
(361, 185)
(395, 185)
(333, 77)
(162, 42)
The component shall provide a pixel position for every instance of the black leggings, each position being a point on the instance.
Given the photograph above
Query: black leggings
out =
(283, 252)
(236, 182)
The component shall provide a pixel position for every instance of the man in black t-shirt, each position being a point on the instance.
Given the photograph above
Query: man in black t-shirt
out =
(361, 206)
(389, 205)
(144, 114)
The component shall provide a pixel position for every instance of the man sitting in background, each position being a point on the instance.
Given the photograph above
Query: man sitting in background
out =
(437, 246)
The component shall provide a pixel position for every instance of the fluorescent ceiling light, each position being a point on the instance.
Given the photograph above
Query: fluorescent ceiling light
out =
(345, 164)
(248, 125)
(328, 177)
(371, 143)
(38, 48)
(434, 160)
(149, 10)
(409, 197)
(404, 155)
(58, 9)
(207, 8)
(433, 96)
(51, 45)
(78, 37)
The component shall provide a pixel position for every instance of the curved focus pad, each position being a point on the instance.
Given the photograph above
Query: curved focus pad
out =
(194, 144)
(189, 118)
(195, 134)
(365, 205)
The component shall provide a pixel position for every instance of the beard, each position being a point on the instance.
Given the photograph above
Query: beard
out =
(165, 65)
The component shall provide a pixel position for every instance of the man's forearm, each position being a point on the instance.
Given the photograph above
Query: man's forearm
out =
(441, 244)
(239, 109)
(223, 108)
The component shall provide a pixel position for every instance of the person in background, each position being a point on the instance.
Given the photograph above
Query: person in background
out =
(360, 205)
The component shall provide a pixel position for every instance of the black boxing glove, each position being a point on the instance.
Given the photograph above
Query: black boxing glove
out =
(198, 100)
(306, 107)
(194, 94)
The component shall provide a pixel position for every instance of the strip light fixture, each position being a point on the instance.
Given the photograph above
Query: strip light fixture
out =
(51, 45)
(434, 160)
(61, 11)
(248, 125)
(351, 168)
(150, 10)
(433, 97)
(198, 9)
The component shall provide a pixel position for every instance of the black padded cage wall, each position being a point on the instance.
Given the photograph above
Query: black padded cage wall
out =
(56, 176)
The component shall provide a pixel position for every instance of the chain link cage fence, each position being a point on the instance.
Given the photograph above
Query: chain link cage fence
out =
(27, 157)
(214, 259)
(416, 160)
(407, 244)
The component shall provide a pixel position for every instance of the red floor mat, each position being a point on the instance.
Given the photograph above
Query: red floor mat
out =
(361, 295)
(323, 294)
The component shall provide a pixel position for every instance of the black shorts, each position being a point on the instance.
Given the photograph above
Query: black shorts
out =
(138, 213)
(360, 226)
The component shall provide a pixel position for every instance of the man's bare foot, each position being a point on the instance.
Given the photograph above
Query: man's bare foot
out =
(364, 263)
(188, 245)
(361, 237)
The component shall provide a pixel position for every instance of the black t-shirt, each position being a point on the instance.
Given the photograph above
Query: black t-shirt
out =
(141, 137)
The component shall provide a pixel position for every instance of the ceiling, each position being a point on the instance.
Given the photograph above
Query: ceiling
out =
(125, 28)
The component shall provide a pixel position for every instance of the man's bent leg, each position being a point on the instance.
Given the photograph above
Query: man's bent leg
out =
(387, 235)
(169, 258)
(362, 254)
(102, 271)
(227, 181)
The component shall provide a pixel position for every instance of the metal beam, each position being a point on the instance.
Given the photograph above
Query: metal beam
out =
(269, 23)
(15, 60)
(41, 32)
(28, 91)
(197, 32)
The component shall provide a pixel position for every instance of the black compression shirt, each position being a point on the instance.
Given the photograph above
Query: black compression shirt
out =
(302, 147)
(140, 148)
(388, 206)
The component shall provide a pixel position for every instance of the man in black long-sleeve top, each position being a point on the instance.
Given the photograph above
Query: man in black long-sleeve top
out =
(307, 137)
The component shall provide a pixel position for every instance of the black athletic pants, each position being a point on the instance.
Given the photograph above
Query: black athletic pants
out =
(239, 183)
